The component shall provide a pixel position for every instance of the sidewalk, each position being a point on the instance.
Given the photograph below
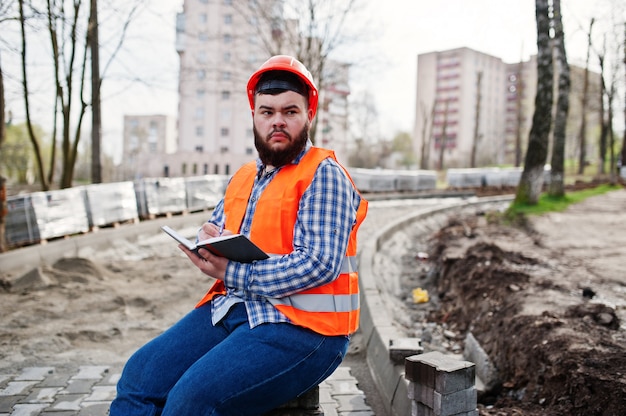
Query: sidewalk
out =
(89, 390)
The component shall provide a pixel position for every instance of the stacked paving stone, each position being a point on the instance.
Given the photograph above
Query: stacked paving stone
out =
(440, 385)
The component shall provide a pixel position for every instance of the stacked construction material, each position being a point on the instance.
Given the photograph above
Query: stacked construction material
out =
(110, 203)
(40, 216)
(441, 385)
(204, 192)
(158, 196)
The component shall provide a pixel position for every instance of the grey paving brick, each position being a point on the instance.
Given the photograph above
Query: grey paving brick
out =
(68, 402)
(101, 393)
(34, 373)
(17, 387)
(7, 402)
(78, 386)
(27, 409)
(55, 380)
(95, 409)
(42, 395)
(89, 372)
(351, 404)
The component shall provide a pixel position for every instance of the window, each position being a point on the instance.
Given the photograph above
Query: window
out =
(194, 169)
(202, 57)
(203, 36)
(199, 115)
(201, 74)
(227, 57)
(227, 38)
(226, 76)
(224, 132)
(225, 95)
(199, 131)
(228, 19)
(224, 149)
(202, 18)
(199, 148)
(200, 93)
(205, 169)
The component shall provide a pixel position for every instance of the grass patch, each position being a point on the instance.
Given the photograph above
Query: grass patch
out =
(517, 214)
(553, 204)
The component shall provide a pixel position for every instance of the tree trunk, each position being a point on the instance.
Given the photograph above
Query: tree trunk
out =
(29, 124)
(603, 122)
(556, 187)
(531, 182)
(582, 143)
(96, 113)
(623, 155)
(479, 77)
(442, 137)
(3, 193)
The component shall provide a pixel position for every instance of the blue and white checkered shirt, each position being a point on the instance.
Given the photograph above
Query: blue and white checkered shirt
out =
(325, 218)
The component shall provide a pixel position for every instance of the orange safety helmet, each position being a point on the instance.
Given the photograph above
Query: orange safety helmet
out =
(289, 64)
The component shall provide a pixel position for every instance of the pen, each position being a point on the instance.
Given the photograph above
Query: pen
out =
(222, 227)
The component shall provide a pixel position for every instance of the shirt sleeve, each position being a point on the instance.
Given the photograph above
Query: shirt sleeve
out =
(326, 215)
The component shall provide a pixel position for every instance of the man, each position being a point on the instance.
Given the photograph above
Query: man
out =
(270, 330)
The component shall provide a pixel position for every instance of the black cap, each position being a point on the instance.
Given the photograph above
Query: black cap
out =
(275, 82)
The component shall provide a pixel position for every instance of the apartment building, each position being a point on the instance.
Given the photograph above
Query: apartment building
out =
(460, 108)
(472, 109)
(147, 142)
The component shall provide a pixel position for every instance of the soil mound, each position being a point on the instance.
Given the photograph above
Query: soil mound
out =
(549, 320)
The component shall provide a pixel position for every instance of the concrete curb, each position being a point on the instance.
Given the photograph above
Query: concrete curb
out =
(376, 323)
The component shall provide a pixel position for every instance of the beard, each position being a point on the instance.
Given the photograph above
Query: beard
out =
(278, 158)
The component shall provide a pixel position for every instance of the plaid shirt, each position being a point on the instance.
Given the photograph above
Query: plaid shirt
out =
(325, 218)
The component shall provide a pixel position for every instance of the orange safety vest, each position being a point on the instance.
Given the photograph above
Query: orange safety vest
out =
(330, 309)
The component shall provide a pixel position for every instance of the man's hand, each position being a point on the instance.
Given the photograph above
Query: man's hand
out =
(208, 263)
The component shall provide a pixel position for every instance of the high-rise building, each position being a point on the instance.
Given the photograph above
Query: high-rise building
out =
(473, 110)
(459, 108)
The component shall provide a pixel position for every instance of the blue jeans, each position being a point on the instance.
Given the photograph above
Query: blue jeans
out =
(195, 368)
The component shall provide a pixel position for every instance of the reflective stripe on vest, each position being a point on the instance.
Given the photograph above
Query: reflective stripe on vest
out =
(320, 303)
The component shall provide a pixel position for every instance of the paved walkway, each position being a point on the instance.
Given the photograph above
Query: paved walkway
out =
(88, 391)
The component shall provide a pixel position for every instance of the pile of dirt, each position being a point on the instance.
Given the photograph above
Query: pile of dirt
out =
(549, 319)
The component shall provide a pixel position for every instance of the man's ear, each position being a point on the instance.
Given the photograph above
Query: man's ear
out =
(310, 115)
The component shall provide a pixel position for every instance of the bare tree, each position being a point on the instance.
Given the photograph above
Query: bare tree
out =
(476, 138)
(443, 137)
(623, 155)
(531, 182)
(31, 133)
(427, 135)
(556, 187)
(316, 30)
(582, 144)
(3, 189)
(96, 112)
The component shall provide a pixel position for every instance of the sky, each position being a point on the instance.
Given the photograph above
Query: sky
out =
(143, 79)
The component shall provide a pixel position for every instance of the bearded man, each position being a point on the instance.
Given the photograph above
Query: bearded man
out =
(267, 331)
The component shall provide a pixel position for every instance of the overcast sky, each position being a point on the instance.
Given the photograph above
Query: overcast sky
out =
(502, 28)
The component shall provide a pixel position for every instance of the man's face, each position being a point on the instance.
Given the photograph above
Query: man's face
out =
(281, 126)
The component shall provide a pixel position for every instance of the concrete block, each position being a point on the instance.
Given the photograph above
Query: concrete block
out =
(443, 373)
(402, 348)
(455, 403)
